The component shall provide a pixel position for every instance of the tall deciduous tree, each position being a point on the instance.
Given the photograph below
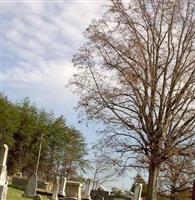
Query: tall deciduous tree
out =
(136, 74)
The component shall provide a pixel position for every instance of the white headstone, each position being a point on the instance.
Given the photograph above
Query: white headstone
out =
(62, 186)
(31, 186)
(56, 189)
(19, 174)
(87, 189)
(79, 192)
(3, 172)
(3, 154)
(137, 191)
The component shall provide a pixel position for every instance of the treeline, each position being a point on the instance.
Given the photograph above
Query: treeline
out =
(21, 127)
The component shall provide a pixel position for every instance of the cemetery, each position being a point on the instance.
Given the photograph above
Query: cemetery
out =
(97, 100)
(61, 189)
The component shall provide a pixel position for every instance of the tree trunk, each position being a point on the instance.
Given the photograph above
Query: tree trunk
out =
(20, 158)
(152, 182)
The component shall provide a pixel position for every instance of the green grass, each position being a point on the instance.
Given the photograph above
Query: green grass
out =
(15, 194)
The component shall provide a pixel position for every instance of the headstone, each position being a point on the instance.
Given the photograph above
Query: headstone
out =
(87, 189)
(19, 174)
(193, 191)
(56, 189)
(79, 192)
(137, 191)
(50, 187)
(31, 186)
(37, 197)
(106, 195)
(3, 172)
(100, 187)
(68, 198)
(73, 189)
(62, 186)
(46, 186)
(118, 198)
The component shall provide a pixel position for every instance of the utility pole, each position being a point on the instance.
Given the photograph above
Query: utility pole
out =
(39, 154)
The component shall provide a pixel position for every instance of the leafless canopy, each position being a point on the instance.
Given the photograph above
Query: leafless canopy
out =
(136, 74)
(177, 175)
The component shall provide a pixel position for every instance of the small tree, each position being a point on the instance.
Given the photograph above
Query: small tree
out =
(177, 175)
(136, 75)
(102, 172)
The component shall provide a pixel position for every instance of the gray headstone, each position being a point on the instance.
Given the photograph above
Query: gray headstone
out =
(118, 198)
(87, 189)
(37, 197)
(3, 192)
(137, 191)
(31, 186)
(62, 186)
(3, 172)
(56, 189)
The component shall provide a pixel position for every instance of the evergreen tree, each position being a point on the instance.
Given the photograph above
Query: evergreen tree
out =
(21, 127)
(8, 120)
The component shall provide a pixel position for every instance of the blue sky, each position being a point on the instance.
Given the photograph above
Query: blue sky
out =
(38, 40)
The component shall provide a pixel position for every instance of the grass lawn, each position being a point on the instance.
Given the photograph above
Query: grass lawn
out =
(15, 194)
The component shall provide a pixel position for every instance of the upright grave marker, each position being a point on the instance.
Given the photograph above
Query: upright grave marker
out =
(3, 171)
(31, 186)
(62, 186)
(137, 191)
(56, 189)
(73, 190)
(87, 189)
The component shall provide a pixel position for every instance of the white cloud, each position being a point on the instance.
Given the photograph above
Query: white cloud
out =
(36, 32)
(52, 74)
(40, 39)
(52, 25)
(45, 84)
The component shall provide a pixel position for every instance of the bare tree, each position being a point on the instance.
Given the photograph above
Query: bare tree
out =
(177, 175)
(136, 75)
(102, 170)
(102, 173)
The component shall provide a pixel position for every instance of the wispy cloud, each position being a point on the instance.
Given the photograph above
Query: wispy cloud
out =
(39, 41)
(47, 28)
